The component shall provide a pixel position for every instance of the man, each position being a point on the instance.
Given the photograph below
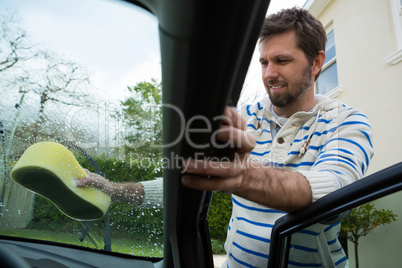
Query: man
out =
(293, 147)
(306, 147)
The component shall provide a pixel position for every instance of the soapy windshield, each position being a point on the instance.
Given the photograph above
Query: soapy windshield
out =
(85, 75)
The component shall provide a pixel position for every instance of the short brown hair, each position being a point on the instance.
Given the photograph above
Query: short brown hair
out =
(310, 34)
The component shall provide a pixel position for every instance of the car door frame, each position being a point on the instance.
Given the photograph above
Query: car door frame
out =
(379, 184)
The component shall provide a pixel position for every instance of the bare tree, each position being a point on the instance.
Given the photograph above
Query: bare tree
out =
(14, 46)
(53, 80)
(42, 76)
(60, 81)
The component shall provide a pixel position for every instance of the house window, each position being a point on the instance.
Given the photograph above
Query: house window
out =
(328, 79)
(399, 9)
(396, 9)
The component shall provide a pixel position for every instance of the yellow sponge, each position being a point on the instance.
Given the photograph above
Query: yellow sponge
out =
(49, 169)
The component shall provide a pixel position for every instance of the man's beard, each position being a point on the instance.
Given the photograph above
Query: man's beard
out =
(301, 88)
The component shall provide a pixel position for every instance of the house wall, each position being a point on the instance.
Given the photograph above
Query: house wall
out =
(364, 36)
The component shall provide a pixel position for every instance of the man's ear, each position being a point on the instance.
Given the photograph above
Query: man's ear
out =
(318, 62)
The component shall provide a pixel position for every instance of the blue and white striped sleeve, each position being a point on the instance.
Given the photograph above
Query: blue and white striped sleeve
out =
(344, 157)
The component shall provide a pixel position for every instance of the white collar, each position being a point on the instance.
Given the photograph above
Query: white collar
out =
(279, 119)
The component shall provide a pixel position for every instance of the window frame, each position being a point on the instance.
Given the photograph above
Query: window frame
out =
(379, 184)
(396, 10)
(336, 91)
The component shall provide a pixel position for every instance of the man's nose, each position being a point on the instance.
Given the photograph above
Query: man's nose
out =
(271, 72)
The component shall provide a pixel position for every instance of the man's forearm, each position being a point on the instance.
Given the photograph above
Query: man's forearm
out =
(132, 193)
(279, 189)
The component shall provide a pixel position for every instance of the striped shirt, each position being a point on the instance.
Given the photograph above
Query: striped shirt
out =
(331, 146)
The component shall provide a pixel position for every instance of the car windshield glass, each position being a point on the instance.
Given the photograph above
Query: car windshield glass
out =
(368, 237)
(85, 76)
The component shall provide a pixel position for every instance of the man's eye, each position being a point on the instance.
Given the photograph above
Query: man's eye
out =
(284, 61)
(264, 63)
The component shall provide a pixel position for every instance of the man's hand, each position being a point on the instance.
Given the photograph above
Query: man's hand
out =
(96, 181)
(227, 176)
(120, 192)
(275, 188)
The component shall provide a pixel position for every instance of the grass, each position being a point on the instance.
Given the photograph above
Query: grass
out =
(94, 241)
(121, 245)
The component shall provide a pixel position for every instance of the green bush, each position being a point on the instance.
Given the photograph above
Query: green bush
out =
(219, 214)
(141, 222)
(47, 216)
(119, 170)
(217, 247)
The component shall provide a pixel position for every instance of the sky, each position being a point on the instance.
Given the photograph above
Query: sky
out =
(96, 35)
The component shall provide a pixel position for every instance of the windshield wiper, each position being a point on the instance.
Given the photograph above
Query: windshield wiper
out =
(85, 231)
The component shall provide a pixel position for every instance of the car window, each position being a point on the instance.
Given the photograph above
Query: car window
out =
(86, 75)
(368, 237)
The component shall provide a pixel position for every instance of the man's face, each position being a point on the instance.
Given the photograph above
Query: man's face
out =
(286, 72)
